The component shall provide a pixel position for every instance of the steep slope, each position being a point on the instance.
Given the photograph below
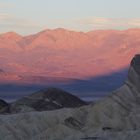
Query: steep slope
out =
(116, 117)
(4, 107)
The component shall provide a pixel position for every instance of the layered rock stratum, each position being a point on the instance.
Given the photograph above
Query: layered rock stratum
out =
(116, 117)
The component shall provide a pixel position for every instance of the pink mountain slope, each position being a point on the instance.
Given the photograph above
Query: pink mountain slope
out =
(63, 53)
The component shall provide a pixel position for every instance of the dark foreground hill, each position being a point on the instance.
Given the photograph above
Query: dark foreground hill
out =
(116, 117)
(49, 99)
(43, 100)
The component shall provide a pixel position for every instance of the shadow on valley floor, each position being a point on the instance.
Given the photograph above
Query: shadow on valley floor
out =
(89, 89)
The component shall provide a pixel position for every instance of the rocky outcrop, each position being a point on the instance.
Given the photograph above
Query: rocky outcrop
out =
(44, 100)
(4, 107)
(117, 117)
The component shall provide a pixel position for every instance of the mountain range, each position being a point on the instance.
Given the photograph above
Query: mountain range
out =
(69, 54)
(78, 62)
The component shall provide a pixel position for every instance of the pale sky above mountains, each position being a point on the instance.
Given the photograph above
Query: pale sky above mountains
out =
(30, 16)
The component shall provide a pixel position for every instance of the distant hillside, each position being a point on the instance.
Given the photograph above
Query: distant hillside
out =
(64, 53)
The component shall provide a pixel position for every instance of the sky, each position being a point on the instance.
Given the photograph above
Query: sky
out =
(31, 16)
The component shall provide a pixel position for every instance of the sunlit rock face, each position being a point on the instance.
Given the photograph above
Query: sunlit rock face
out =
(64, 53)
(116, 117)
